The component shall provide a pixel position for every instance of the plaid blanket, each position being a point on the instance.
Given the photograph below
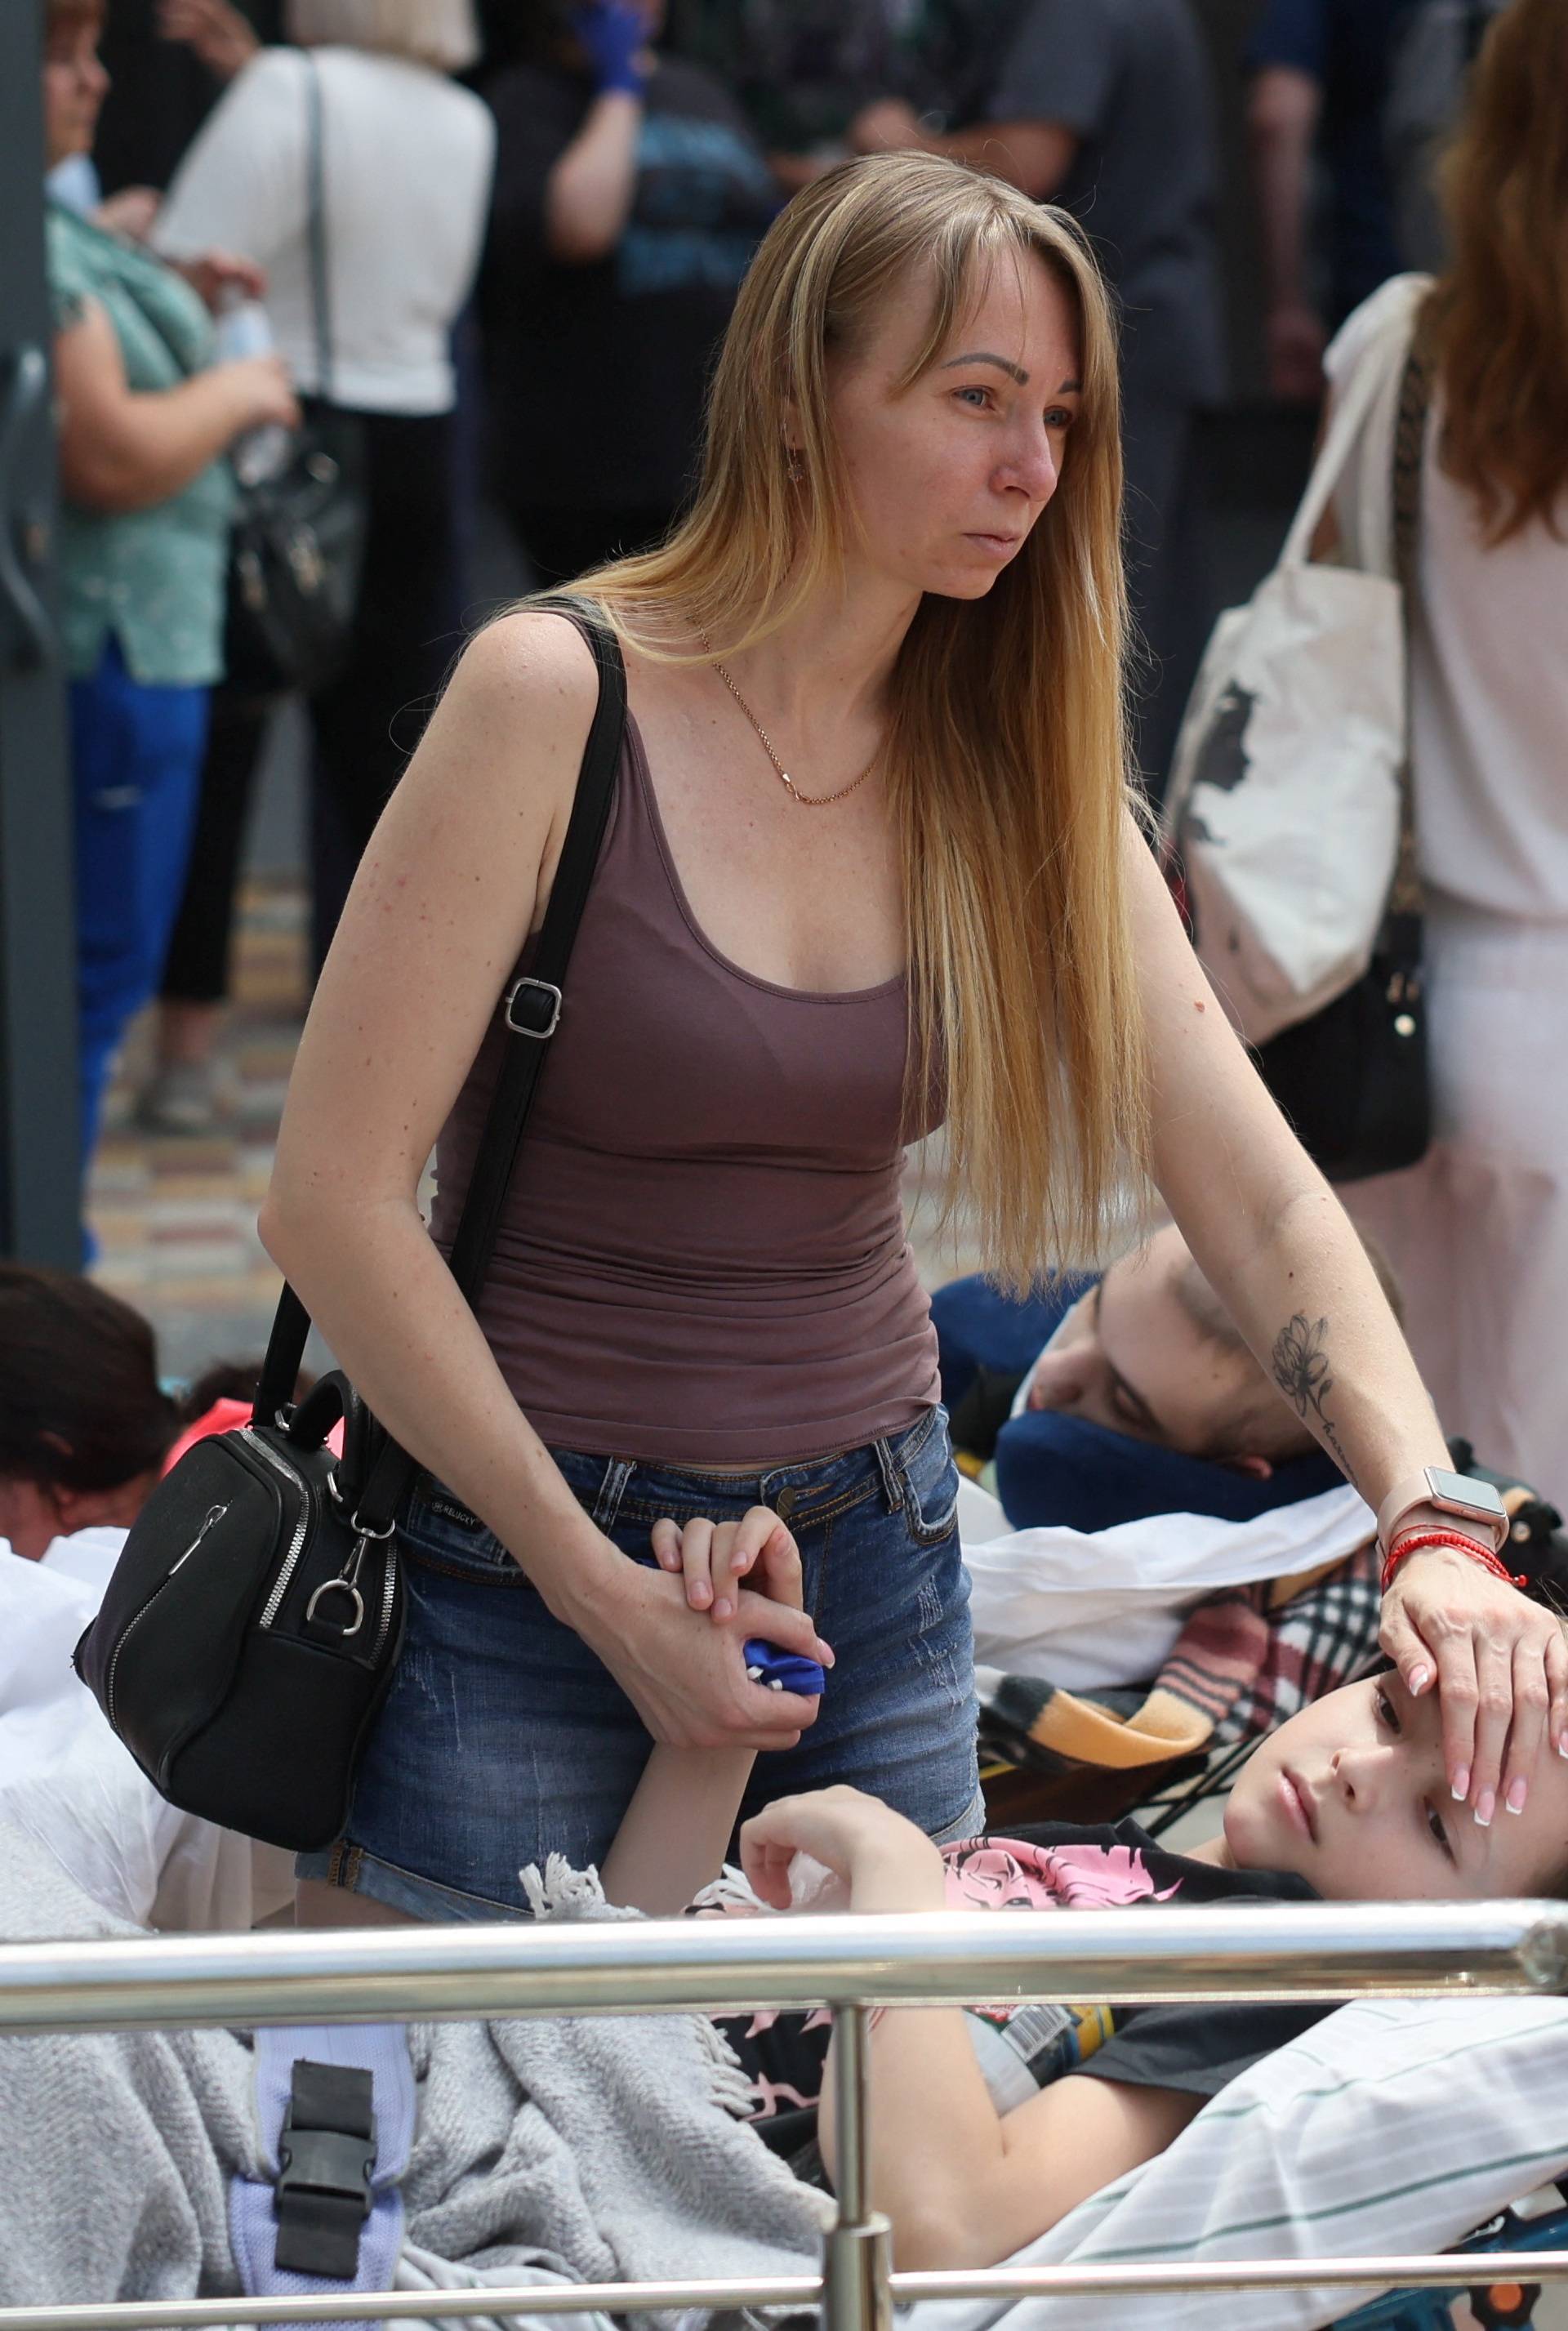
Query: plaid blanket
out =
(1248, 1658)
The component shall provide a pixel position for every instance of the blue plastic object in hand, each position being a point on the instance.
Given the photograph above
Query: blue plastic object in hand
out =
(783, 1670)
(614, 36)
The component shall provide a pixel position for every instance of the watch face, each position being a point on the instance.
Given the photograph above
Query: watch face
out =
(1460, 1489)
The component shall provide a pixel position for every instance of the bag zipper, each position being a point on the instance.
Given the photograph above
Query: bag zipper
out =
(280, 1583)
(286, 1572)
(215, 1514)
(388, 1596)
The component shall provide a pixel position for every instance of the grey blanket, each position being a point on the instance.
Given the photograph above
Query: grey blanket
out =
(607, 2147)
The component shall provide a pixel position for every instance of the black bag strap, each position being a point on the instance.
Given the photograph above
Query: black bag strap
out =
(1406, 897)
(316, 223)
(532, 1008)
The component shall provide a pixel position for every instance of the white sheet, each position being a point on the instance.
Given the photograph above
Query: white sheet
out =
(89, 1555)
(65, 1779)
(1393, 2127)
(1089, 1609)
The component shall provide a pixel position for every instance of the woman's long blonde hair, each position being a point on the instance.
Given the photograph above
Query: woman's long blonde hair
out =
(1006, 761)
(1502, 305)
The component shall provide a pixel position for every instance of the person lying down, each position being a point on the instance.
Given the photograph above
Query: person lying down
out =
(627, 2147)
(988, 2128)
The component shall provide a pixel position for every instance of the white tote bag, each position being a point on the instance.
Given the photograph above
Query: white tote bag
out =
(1284, 803)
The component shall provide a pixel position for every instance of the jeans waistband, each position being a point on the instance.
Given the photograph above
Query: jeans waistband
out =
(880, 1466)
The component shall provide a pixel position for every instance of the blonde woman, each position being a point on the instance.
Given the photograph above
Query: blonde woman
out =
(870, 865)
(1479, 1230)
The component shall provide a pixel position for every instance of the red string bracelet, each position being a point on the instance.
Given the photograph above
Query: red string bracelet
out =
(1413, 1543)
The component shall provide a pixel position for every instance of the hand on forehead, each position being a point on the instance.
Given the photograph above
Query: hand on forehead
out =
(1354, 1794)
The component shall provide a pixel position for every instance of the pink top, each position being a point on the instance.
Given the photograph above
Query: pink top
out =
(702, 1259)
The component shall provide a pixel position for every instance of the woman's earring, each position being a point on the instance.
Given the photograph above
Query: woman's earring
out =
(794, 467)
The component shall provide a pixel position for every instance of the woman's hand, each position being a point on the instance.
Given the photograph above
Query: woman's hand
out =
(887, 126)
(223, 39)
(212, 274)
(1296, 338)
(614, 36)
(123, 449)
(795, 171)
(262, 392)
(1500, 1666)
(887, 1863)
(713, 1557)
(688, 1681)
(130, 213)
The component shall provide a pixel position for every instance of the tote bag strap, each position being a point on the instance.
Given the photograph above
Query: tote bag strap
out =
(316, 224)
(1351, 413)
(532, 1008)
(1406, 897)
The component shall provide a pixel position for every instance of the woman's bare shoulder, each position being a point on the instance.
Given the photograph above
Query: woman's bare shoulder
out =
(530, 656)
(521, 699)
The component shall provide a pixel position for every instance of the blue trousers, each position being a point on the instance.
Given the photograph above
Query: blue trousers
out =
(136, 759)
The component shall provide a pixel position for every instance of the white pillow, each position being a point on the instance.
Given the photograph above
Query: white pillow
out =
(1394, 2125)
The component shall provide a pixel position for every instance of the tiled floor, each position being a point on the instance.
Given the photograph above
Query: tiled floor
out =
(175, 1218)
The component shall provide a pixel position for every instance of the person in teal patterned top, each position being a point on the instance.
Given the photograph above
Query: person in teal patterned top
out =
(154, 575)
(146, 501)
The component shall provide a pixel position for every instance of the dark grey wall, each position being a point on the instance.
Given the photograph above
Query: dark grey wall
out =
(1227, 24)
(38, 1102)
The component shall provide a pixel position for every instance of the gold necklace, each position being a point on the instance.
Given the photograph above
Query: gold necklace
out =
(806, 801)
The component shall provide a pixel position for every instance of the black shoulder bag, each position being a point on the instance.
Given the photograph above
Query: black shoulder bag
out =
(298, 547)
(250, 1632)
(1354, 1079)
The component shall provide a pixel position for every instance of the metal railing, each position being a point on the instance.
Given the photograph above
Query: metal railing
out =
(1312, 1953)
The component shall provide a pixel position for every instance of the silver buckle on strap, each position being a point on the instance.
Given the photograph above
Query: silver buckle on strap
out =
(543, 988)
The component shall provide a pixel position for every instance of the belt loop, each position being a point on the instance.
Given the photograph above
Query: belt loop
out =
(618, 1471)
(784, 1501)
(892, 1474)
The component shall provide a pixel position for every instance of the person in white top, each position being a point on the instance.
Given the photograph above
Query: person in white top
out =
(407, 157)
(1479, 1232)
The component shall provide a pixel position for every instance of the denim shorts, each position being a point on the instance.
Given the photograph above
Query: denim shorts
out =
(504, 1739)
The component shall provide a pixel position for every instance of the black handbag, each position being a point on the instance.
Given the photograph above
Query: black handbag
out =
(1354, 1080)
(297, 551)
(249, 1632)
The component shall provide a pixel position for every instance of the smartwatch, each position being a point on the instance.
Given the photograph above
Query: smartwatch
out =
(1475, 1505)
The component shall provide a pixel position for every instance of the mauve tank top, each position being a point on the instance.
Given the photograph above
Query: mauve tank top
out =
(702, 1257)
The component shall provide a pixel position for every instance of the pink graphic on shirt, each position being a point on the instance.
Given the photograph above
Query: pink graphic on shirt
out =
(1006, 1874)
(766, 2017)
(983, 1874)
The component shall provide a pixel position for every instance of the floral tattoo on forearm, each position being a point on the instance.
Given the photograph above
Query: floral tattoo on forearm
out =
(1301, 1371)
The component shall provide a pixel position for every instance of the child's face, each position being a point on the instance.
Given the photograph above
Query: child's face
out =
(1353, 1796)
